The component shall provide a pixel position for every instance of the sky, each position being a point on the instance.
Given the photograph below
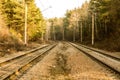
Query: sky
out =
(57, 8)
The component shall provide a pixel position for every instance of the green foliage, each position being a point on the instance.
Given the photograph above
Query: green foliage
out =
(56, 27)
(106, 17)
(73, 19)
(14, 15)
(36, 26)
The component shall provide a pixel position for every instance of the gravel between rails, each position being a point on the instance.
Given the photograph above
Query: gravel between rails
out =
(81, 67)
(41, 70)
(84, 68)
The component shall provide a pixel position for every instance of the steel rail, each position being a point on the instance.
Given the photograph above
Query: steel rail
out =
(101, 52)
(7, 71)
(9, 59)
(110, 62)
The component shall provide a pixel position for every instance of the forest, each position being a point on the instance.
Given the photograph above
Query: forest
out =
(95, 23)
(15, 19)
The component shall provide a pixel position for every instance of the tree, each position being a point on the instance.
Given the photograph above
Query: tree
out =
(13, 12)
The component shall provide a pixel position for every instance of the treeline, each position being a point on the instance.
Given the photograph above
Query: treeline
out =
(96, 23)
(13, 13)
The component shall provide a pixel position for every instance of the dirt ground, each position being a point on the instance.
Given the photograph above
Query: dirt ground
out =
(67, 63)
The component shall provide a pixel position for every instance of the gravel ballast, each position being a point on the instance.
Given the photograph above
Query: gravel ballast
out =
(81, 66)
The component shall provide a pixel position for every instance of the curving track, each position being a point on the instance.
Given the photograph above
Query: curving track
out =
(13, 67)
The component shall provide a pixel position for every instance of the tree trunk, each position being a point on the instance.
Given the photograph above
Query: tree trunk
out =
(74, 33)
(54, 36)
(93, 29)
(63, 33)
(96, 27)
(25, 35)
(105, 27)
(81, 32)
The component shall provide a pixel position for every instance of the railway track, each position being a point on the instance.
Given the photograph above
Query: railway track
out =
(110, 61)
(14, 67)
(102, 52)
(4, 61)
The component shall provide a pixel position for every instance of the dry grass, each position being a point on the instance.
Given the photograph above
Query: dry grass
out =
(8, 42)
